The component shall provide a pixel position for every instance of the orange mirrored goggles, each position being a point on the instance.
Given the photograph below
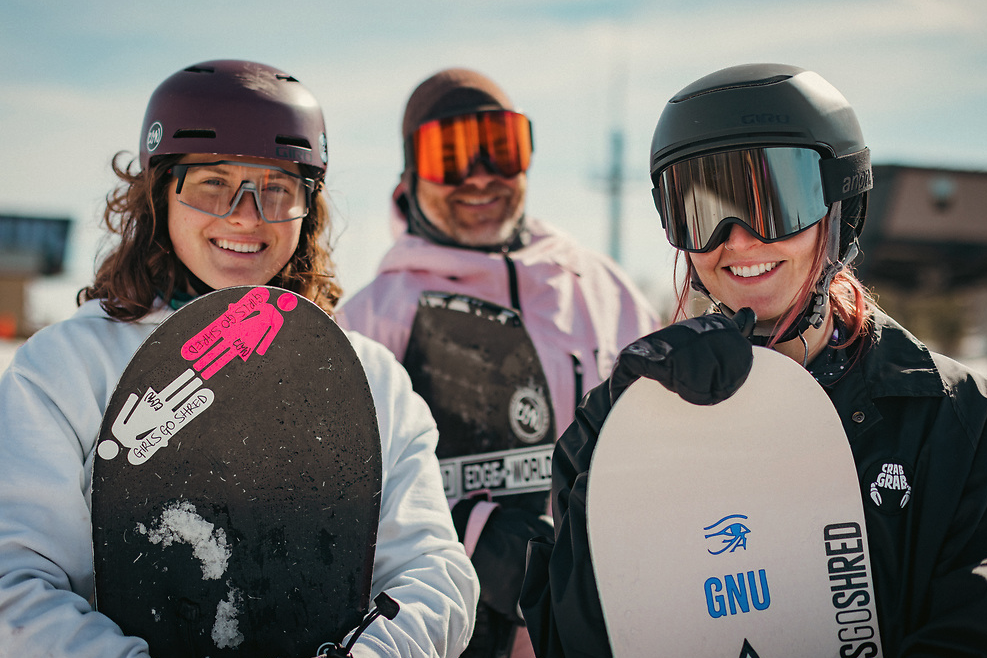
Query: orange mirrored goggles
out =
(444, 151)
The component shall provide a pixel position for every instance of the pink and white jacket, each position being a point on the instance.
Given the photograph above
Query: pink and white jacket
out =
(578, 306)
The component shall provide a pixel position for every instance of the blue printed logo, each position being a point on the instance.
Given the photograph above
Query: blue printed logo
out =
(732, 595)
(729, 532)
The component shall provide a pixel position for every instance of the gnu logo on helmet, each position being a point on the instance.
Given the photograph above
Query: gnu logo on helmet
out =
(154, 134)
(276, 116)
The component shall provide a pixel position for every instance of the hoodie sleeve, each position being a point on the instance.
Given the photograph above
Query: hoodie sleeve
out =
(51, 401)
(419, 561)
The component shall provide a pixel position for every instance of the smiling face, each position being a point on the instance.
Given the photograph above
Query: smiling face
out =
(483, 211)
(241, 249)
(767, 277)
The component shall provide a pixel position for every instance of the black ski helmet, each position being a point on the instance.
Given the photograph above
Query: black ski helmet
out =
(758, 105)
(235, 107)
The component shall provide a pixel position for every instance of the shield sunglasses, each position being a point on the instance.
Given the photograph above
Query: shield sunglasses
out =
(444, 151)
(775, 192)
(216, 188)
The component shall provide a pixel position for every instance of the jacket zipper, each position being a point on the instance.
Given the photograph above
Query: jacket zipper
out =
(512, 283)
(577, 373)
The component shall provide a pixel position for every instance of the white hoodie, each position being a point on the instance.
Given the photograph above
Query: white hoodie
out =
(52, 399)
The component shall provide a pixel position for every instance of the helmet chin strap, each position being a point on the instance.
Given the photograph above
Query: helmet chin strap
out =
(814, 312)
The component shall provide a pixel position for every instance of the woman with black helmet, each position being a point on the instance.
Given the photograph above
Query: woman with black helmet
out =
(229, 192)
(761, 178)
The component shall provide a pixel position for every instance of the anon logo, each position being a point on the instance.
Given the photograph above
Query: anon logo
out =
(154, 135)
(862, 180)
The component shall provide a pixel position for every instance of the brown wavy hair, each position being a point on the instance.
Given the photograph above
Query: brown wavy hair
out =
(143, 266)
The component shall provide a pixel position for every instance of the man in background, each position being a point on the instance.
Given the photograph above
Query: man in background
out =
(460, 206)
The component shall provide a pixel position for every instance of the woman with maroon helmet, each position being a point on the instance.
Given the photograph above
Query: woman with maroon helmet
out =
(228, 192)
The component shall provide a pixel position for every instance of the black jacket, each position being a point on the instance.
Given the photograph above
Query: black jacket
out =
(916, 423)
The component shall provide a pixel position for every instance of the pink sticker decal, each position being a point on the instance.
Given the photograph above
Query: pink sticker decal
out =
(287, 302)
(248, 326)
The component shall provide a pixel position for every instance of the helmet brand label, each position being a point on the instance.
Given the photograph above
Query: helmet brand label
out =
(764, 118)
(859, 182)
(154, 135)
(294, 154)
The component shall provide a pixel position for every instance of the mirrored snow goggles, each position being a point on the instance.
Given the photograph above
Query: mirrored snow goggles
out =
(775, 191)
(216, 189)
(443, 151)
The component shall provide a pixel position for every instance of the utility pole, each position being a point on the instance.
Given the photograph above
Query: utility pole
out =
(615, 188)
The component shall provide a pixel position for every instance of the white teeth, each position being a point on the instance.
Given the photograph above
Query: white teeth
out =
(477, 202)
(239, 247)
(756, 270)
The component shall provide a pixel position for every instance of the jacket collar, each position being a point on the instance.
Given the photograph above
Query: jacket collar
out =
(896, 353)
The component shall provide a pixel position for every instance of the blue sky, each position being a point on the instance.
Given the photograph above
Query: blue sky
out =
(76, 78)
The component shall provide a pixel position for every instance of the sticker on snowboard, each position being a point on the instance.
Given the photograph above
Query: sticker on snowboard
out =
(730, 530)
(236, 487)
(476, 367)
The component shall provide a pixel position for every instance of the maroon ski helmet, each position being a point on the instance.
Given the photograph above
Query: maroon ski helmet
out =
(235, 107)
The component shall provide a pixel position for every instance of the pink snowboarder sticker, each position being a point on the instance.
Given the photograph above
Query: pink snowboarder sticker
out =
(248, 326)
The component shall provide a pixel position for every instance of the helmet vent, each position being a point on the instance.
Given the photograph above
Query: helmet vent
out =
(288, 140)
(198, 134)
(200, 69)
(286, 78)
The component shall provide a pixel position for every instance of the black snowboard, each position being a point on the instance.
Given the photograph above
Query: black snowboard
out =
(474, 363)
(236, 491)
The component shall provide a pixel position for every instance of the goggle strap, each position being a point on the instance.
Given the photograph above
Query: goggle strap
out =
(846, 176)
(656, 194)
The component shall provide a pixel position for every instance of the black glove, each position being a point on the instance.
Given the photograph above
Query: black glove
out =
(704, 359)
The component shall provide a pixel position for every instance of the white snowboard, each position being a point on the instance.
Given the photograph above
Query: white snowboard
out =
(731, 530)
